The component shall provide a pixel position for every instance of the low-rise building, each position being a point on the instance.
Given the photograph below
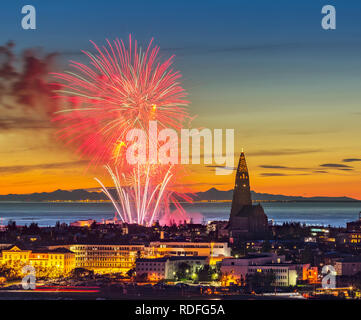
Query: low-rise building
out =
(59, 258)
(82, 223)
(354, 226)
(351, 238)
(285, 274)
(106, 258)
(215, 251)
(237, 270)
(348, 266)
(166, 268)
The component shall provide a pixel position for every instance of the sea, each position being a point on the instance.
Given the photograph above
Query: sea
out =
(310, 213)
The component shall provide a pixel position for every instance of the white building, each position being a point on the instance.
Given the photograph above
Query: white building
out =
(286, 273)
(207, 249)
(167, 267)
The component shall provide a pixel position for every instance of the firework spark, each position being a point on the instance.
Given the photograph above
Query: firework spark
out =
(143, 201)
(119, 90)
(122, 88)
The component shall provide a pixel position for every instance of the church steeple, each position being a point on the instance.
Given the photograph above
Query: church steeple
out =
(242, 191)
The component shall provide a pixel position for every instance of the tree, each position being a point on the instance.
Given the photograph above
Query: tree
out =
(11, 225)
(183, 271)
(260, 280)
(11, 271)
(79, 273)
(142, 277)
(34, 228)
(207, 273)
(131, 273)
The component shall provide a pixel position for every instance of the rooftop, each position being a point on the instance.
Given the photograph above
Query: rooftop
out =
(171, 258)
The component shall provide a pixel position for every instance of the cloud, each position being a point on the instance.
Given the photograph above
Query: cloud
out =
(25, 88)
(320, 171)
(272, 167)
(281, 167)
(334, 165)
(10, 122)
(266, 174)
(283, 152)
(198, 184)
(351, 160)
(278, 174)
(43, 166)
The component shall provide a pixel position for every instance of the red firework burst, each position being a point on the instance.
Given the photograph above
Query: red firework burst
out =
(120, 89)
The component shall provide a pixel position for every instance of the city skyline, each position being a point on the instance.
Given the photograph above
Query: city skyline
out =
(291, 94)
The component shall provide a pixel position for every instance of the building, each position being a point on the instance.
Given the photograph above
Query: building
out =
(285, 274)
(219, 228)
(106, 258)
(352, 239)
(120, 258)
(59, 258)
(215, 251)
(354, 226)
(82, 223)
(348, 266)
(236, 270)
(246, 220)
(166, 268)
(239, 266)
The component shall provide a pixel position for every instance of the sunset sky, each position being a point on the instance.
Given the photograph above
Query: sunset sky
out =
(291, 90)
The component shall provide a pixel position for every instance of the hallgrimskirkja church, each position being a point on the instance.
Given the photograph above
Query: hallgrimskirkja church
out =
(246, 220)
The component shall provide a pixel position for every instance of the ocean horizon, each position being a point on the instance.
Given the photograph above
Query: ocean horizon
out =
(335, 214)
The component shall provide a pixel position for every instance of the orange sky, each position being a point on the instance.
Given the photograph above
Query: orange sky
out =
(280, 163)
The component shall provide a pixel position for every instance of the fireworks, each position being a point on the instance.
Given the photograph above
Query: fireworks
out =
(140, 202)
(122, 89)
(119, 90)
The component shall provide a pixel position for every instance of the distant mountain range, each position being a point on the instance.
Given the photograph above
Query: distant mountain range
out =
(214, 194)
(210, 195)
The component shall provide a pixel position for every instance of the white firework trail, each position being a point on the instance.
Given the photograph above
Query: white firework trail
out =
(140, 203)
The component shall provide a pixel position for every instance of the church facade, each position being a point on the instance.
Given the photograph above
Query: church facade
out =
(246, 220)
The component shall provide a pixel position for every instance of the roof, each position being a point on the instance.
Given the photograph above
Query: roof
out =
(60, 250)
(164, 259)
(37, 250)
(250, 210)
(254, 256)
(188, 258)
(351, 259)
(172, 258)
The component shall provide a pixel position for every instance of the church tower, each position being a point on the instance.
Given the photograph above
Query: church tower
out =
(241, 191)
(246, 221)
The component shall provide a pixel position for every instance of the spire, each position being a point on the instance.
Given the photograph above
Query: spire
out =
(242, 191)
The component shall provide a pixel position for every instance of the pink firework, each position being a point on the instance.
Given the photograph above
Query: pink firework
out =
(120, 89)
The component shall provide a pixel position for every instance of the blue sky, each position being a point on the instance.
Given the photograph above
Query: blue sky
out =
(265, 68)
(214, 41)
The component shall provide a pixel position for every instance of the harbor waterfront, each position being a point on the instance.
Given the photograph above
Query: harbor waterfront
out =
(335, 214)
